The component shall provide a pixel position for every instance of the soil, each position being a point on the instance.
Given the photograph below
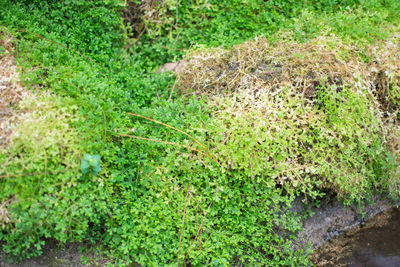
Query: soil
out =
(375, 243)
(332, 218)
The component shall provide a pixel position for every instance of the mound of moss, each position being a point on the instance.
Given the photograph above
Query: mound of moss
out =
(305, 115)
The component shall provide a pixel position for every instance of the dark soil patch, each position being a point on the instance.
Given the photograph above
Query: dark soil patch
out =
(375, 243)
(332, 219)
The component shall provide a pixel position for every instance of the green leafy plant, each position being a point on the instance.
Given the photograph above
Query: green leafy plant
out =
(91, 163)
(236, 215)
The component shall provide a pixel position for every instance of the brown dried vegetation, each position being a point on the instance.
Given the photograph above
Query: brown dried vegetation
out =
(11, 92)
(261, 66)
(135, 14)
(385, 72)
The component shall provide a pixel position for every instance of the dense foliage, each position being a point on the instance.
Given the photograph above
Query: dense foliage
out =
(311, 123)
(70, 174)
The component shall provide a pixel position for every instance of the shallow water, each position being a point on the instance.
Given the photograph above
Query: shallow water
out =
(375, 244)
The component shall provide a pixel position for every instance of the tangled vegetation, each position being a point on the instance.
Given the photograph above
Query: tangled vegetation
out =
(309, 114)
(275, 99)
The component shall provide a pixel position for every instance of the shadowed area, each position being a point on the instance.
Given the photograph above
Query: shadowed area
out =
(377, 243)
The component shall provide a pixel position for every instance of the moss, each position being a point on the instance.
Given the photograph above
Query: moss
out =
(296, 113)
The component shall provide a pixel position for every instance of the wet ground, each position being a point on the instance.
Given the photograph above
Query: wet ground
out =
(331, 219)
(373, 244)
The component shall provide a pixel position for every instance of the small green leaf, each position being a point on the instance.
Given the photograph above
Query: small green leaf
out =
(85, 170)
(87, 157)
(91, 162)
(84, 164)
(96, 169)
(96, 158)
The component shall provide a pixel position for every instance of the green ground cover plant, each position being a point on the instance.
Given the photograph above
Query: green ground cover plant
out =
(40, 173)
(105, 175)
(310, 122)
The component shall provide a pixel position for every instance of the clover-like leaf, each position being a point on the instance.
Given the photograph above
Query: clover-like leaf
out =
(84, 166)
(96, 169)
(91, 162)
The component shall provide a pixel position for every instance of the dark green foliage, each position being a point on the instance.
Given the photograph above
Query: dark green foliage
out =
(135, 202)
(89, 27)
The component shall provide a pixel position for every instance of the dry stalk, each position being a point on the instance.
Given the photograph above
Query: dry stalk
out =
(163, 142)
(210, 155)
